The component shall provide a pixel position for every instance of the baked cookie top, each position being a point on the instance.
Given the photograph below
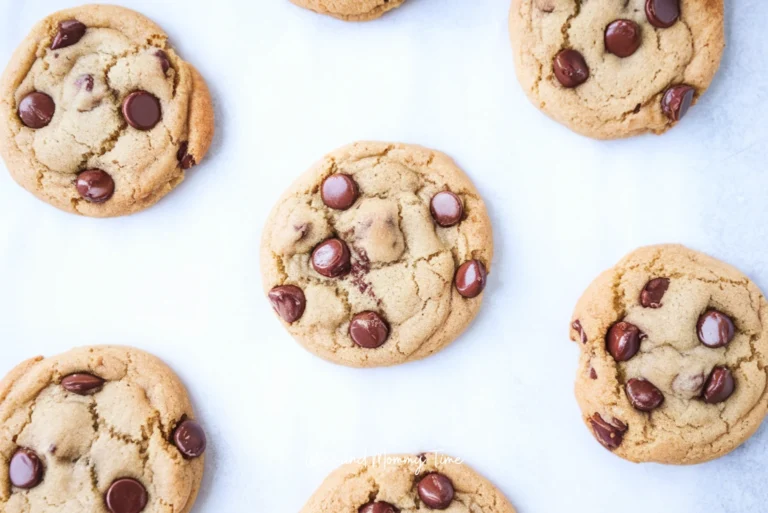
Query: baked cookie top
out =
(100, 116)
(673, 356)
(407, 484)
(616, 68)
(378, 255)
(101, 429)
(350, 10)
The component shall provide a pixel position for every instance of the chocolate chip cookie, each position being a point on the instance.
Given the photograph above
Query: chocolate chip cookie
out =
(674, 349)
(350, 10)
(100, 116)
(407, 484)
(616, 68)
(378, 255)
(106, 429)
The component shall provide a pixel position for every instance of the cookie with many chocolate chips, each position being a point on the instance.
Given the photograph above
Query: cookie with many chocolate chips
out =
(105, 428)
(100, 116)
(674, 349)
(350, 10)
(617, 68)
(407, 484)
(378, 255)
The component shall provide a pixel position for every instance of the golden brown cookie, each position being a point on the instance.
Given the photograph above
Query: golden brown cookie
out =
(350, 10)
(616, 68)
(407, 484)
(100, 116)
(107, 429)
(378, 255)
(674, 348)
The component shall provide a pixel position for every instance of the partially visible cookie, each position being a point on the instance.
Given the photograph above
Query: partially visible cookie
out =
(350, 10)
(100, 116)
(674, 351)
(107, 429)
(407, 484)
(617, 68)
(378, 255)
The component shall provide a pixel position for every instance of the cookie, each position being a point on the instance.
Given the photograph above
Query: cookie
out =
(100, 116)
(616, 68)
(378, 255)
(350, 10)
(407, 484)
(104, 428)
(673, 360)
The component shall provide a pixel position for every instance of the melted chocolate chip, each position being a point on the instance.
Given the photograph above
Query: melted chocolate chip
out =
(368, 330)
(70, 32)
(623, 341)
(592, 373)
(446, 208)
(378, 507)
(186, 160)
(189, 438)
(165, 62)
(644, 395)
(610, 435)
(25, 470)
(126, 496)
(653, 291)
(85, 82)
(332, 258)
(676, 101)
(720, 385)
(622, 38)
(81, 383)
(36, 110)
(95, 185)
(662, 13)
(339, 191)
(570, 68)
(578, 327)
(436, 491)
(288, 301)
(142, 110)
(715, 329)
(470, 279)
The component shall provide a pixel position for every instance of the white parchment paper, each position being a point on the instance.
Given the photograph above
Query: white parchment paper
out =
(182, 279)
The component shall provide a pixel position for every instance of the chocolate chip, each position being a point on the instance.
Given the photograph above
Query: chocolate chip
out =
(436, 491)
(70, 32)
(447, 209)
(339, 191)
(610, 435)
(622, 38)
(186, 160)
(688, 386)
(623, 341)
(189, 439)
(715, 329)
(570, 68)
(720, 385)
(662, 13)
(142, 110)
(368, 330)
(26, 469)
(165, 62)
(331, 258)
(84, 82)
(643, 394)
(653, 291)
(36, 110)
(470, 279)
(676, 101)
(592, 373)
(378, 507)
(577, 326)
(288, 301)
(81, 383)
(126, 495)
(95, 185)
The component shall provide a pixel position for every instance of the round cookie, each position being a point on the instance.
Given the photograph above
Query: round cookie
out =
(350, 10)
(101, 117)
(378, 255)
(407, 484)
(673, 356)
(98, 429)
(616, 68)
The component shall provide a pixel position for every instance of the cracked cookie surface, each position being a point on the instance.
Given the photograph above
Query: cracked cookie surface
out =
(378, 255)
(100, 116)
(674, 346)
(407, 484)
(100, 429)
(617, 68)
(350, 10)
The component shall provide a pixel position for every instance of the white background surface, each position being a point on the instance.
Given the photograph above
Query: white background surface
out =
(182, 279)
